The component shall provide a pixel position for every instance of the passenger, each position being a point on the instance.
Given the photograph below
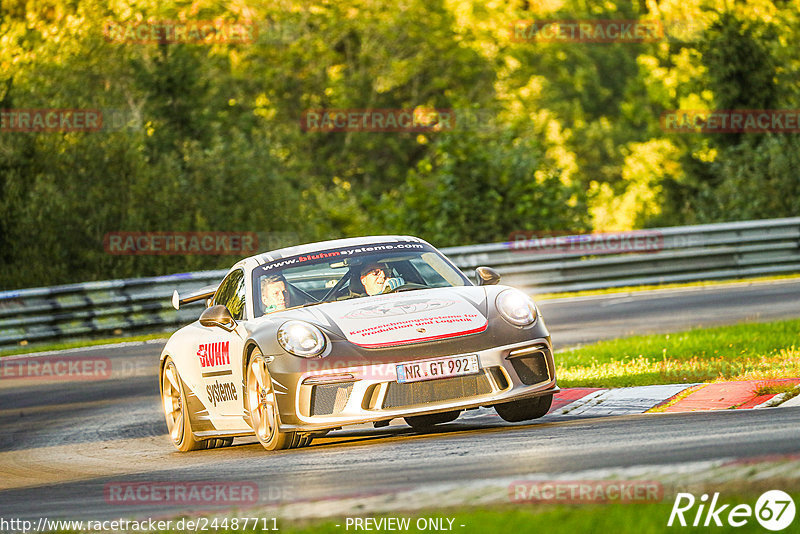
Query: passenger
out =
(274, 294)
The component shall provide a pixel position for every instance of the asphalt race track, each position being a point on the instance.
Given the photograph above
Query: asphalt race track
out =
(63, 443)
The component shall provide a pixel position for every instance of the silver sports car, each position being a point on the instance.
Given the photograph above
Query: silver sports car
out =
(304, 340)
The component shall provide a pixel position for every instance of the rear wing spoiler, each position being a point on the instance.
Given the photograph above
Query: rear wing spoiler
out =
(199, 294)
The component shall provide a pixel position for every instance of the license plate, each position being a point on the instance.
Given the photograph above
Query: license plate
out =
(438, 368)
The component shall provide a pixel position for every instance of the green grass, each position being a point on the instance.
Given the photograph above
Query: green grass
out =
(750, 351)
(649, 518)
(774, 389)
(632, 289)
(535, 518)
(24, 349)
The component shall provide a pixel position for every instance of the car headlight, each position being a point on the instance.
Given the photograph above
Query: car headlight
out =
(516, 307)
(301, 339)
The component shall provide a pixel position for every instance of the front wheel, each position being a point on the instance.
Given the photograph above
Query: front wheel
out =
(525, 409)
(173, 399)
(262, 406)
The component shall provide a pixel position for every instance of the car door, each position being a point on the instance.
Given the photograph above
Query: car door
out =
(219, 351)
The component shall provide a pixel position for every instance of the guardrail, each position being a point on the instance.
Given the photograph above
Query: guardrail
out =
(89, 309)
(565, 263)
(683, 254)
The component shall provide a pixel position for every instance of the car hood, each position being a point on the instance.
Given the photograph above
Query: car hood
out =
(401, 318)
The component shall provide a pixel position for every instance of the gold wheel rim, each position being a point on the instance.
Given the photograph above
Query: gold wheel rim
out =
(173, 403)
(261, 399)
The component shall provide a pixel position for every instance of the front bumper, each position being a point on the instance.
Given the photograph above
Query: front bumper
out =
(331, 398)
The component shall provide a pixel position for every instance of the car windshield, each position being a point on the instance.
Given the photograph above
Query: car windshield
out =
(350, 272)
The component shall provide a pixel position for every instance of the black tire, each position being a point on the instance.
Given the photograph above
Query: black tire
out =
(525, 409)
(425, 422)
(218, 443)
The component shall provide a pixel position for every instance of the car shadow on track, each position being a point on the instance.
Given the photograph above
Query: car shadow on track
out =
(350, 437)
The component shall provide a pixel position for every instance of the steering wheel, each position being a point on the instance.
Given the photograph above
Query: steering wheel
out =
(408, 286)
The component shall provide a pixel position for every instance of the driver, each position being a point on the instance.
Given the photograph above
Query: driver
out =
(374, 277)
(274, 294)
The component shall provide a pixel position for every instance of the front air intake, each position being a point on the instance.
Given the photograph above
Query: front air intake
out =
(330, 399)
(530, 365)
(445, 389)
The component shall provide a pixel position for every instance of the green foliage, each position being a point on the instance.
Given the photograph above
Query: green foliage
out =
(741, 68)
(741, 63)
(758, 180)
(471, 189)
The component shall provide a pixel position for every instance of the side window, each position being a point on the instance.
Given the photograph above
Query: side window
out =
(428, 273)
(231, 294)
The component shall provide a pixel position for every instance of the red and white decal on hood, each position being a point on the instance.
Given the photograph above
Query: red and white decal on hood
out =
(394, 320)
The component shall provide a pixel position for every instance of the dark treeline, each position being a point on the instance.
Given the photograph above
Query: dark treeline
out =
(562, 135)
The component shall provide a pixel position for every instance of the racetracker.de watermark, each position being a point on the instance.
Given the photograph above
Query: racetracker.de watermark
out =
(55, 368)
(731, 121)
(149, 525)
(322, 372)
(414, 120)
(181, 243)
(601, 243)
(203, 493)
(51, 120)
(587, 31)
(378, 120)
(68, 120)
(201, 32)
(586, 491)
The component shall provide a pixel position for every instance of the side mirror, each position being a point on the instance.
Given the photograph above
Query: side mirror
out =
(218, 316)
(486, 276)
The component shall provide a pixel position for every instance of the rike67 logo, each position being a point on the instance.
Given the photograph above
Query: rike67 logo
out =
(774, 510)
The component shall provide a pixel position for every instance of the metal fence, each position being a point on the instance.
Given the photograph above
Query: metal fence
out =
(676, 254)
(538, 265)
